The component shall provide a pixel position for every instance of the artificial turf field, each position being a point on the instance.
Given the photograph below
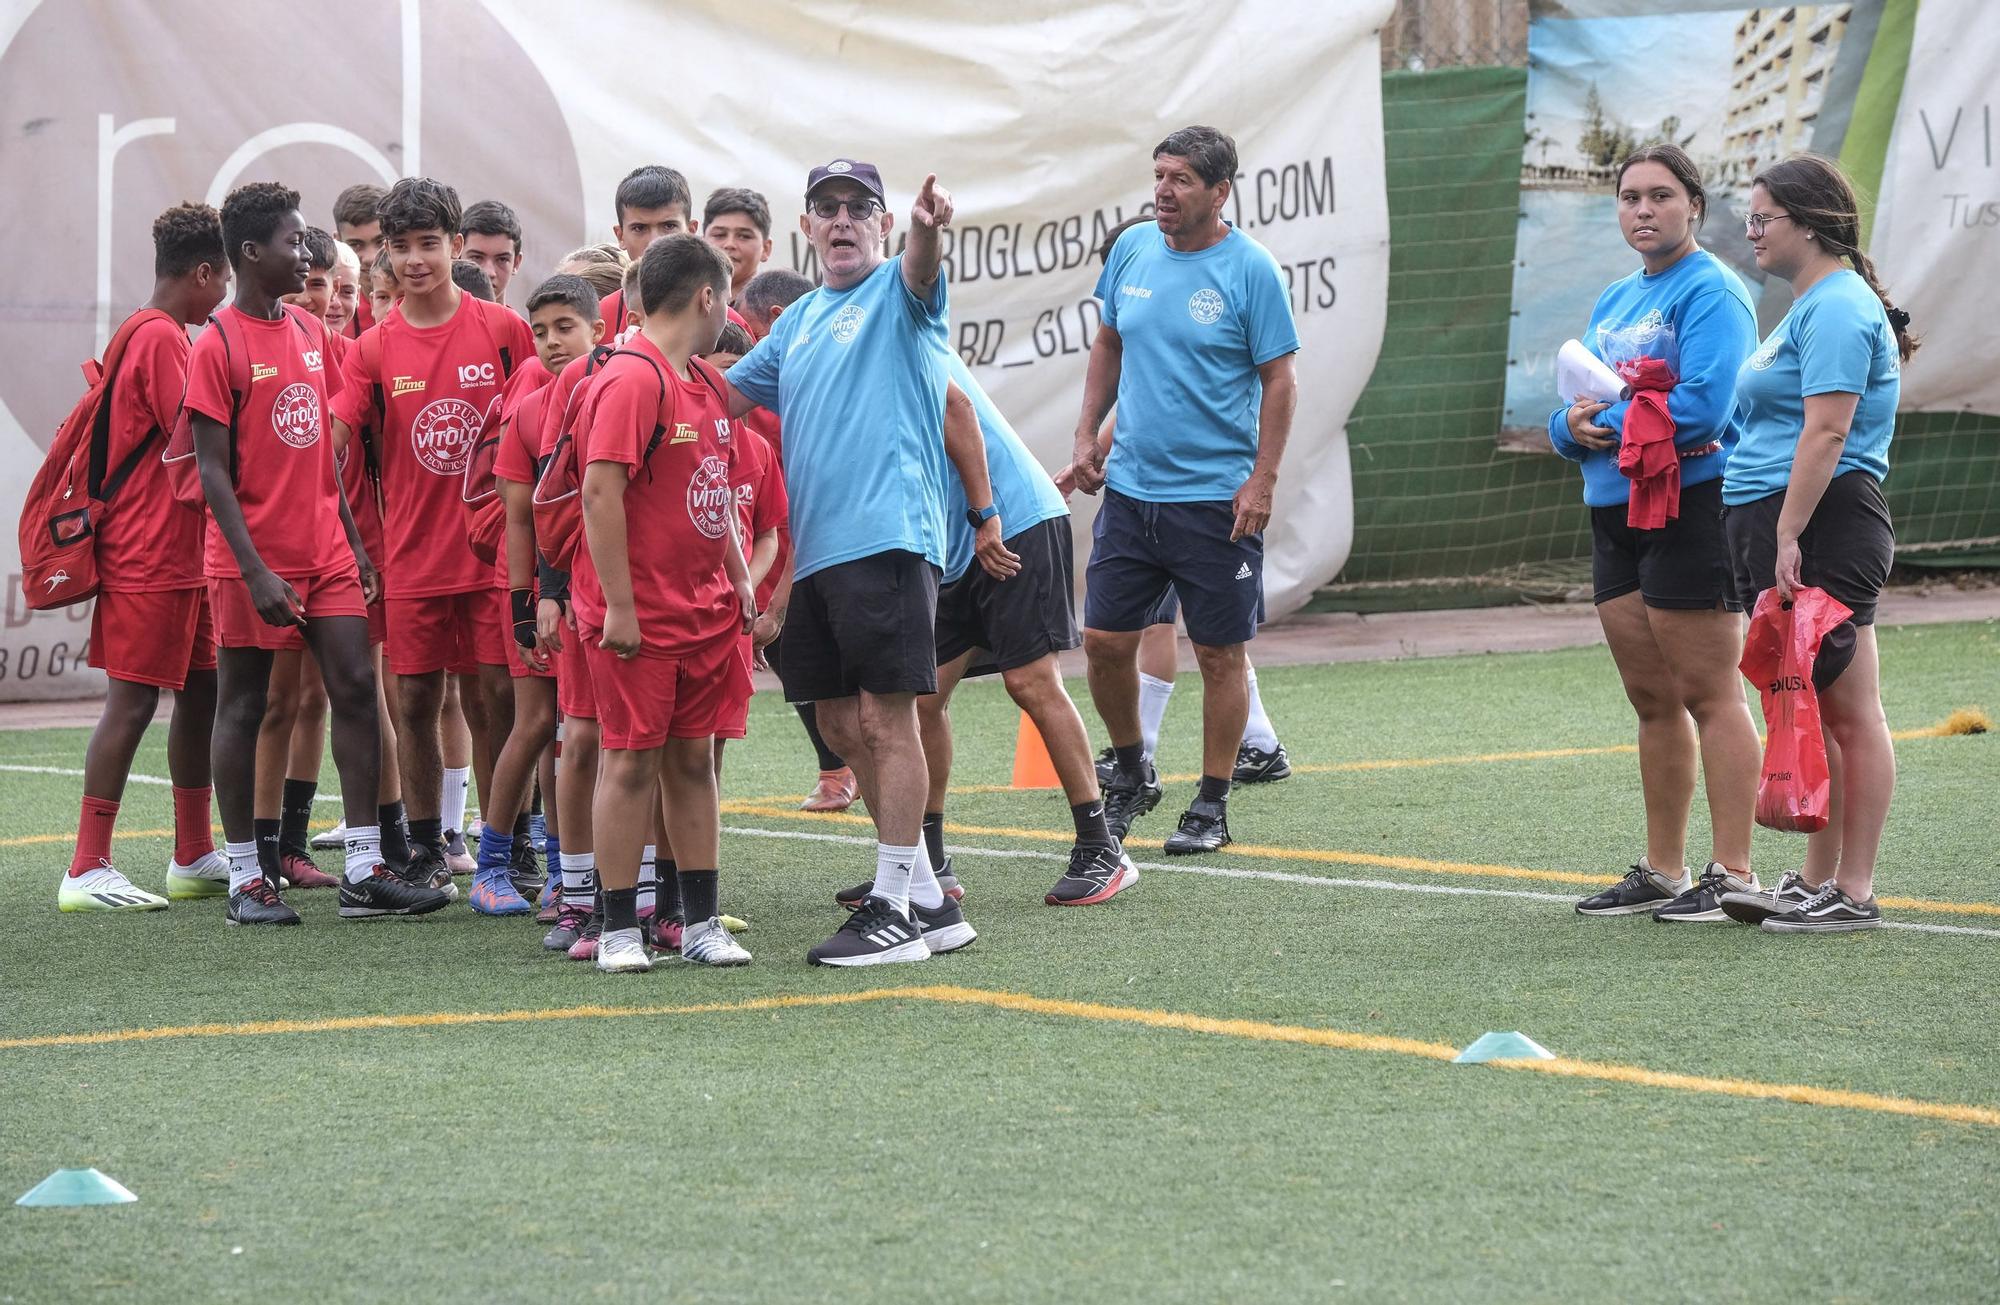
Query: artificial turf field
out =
(1229, 1084)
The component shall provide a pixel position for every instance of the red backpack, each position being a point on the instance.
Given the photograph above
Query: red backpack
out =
(485, 514)
(70, 495)
(557, 502)
(183, 471)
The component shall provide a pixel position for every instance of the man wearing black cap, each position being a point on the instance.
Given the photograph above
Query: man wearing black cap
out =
(856, 370)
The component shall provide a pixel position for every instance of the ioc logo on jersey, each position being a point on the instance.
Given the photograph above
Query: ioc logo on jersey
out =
(710, 502)
(847, 321)
(442, 435)
(471, 376)
(295, 415)
(1205, 306)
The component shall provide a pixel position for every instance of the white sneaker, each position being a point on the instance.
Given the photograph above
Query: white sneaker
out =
(207, 877)
(710, 943)
(620, 951)
(332, 838)
(104, 889)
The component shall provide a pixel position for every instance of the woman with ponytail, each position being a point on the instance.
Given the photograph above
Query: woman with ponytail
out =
(1803, 494)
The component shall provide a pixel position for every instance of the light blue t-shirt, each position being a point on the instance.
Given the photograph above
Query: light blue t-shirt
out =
(1021, 489)
(1836, 338)
(1697, 317)
(1196, 327)
(858, 377)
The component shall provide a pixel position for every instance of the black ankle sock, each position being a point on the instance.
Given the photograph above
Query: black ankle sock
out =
(1131, 759)
(520, 828)
(809, 717)
(667, 889)
(1213, 789)
(427, 833)
(295, 812)
(699, 892)
(267, 848)
(1090, 826)
(621, 908)
(395, 834)
(934, 839)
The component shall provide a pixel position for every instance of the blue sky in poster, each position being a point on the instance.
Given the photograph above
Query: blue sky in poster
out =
(1646, 69)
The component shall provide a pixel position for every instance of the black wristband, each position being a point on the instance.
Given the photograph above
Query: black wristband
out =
(554, 583)
(522, 602)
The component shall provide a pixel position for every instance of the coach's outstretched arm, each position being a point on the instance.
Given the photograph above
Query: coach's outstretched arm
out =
(1274, 427)
(923, 249)
(1100, 391)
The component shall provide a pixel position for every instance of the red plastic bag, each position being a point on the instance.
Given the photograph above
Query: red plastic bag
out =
(1778, 658)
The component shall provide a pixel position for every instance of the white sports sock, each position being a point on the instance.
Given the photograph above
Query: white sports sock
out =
(364, 851)
(243, 866)
(925, 890)
(1257, 731)
(649, 877)
(1153, 696)
(457, 786)
(894, 868)
(579, 876)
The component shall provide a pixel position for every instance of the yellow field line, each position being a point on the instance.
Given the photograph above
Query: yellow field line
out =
(1328, 856)
(1096, 1012)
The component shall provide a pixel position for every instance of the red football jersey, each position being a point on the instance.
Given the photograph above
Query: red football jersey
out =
(437, 384)
(519, 455)
(284, 455)
(766, 423)
(760, 501)
(357, 483)
(149, 540)
(678, 509)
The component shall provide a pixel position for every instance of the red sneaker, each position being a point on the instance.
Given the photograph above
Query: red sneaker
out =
(300, 872)
(834, 792)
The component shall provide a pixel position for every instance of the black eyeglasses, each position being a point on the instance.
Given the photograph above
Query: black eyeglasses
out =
(1754, 223)
(860, 208)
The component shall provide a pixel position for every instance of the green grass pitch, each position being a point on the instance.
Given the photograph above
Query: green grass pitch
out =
(918, 1150)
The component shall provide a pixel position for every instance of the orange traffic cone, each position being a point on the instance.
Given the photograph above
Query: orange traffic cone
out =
(1033, 767)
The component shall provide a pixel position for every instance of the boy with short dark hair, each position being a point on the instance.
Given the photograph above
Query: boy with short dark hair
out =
(151, 626)
(662, 595)
(737, 221)
(471, 278)
(493, 240)
(280, 572)
(652, 201)
(359, 227)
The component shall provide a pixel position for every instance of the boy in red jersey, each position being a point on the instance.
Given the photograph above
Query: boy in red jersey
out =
(759, 485)
(150, 629)
(493, 240)
(652, 201)
(359, 227)
(738, 222)
(662, 595)
(284, 561)
(425, 377)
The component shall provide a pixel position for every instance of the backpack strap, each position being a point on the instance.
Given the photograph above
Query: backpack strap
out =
(371, 362)
(99, 485)
(485, 311)
(236, 366)
(660, 375)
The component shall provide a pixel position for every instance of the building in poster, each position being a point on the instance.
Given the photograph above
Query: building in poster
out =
(1777, 83)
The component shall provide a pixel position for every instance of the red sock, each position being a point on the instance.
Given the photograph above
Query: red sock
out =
(93, 834)
(194, 838)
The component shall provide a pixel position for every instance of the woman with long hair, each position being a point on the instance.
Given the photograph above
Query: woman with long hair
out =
(1677, 328)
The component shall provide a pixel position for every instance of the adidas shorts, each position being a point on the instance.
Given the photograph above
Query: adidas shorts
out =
(1140, 551)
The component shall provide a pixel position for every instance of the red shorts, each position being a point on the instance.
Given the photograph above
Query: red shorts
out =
(576, 693)
(643, 702)
(237, 625)
(446, 632)
(154, 638)
(378, 625)
(735, 720)
(517, 668)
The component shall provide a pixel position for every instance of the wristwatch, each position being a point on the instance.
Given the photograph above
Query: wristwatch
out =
(980, 516)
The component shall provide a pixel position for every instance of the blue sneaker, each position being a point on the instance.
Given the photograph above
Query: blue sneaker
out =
(493, 891)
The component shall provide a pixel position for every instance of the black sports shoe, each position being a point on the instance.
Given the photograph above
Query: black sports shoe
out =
(1124, 803)
(1107, 766)
(1757, 907)
(1204, 828)
(1643, 889)
(876, 934)
(259, 903)
(387, 893)
(1256, 766)
(427, 869)
(524, 871)
(943, 928)
(1827, 911)
(1097, 873)
(1703, 902)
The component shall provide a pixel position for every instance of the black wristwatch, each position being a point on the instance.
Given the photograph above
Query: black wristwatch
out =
(980, 516)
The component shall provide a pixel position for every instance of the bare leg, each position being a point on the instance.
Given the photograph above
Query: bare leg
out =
(1225, 706)
(1037, 689)
(1703, 648)
(419, 750)
(1852, 706)
(1667, 739)
(1114, 684)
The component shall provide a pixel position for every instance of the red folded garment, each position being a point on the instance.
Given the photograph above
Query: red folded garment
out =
(1646, 455)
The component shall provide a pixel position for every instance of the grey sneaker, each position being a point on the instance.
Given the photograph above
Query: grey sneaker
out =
(1827, 911)
(1703, 902)
(1755, 908)
(1642, 889)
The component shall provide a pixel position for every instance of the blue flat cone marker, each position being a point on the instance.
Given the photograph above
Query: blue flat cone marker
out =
(77, 1187)
(1503, 1046)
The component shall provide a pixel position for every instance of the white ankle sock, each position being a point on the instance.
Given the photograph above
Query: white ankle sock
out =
(1153, 696)
(364, 851)
(457, 785)
(894, 868)
(925, 890)
(1257, 731)
(243, 866)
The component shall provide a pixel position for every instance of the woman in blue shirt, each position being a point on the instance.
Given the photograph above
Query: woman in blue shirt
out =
(1804, 506)
(1664, 595)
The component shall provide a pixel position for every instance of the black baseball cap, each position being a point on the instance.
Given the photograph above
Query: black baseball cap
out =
(863, 175)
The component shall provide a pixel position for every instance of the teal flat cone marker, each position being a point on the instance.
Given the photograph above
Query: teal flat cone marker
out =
(77, 1187)
(1503, 1046)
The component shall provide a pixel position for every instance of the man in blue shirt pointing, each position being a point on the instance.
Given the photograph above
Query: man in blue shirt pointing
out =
(1197, 351)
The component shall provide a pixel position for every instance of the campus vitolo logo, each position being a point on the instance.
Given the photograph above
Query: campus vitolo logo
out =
(1205, 306)
(1767, 353)
(132, 106)
(295, 415)
(442, 435)
(710, 501)
(847, 321)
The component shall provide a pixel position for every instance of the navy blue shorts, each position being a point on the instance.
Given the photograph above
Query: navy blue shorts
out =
(1142, 552)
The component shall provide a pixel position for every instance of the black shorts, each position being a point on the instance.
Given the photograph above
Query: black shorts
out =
(1019, 620)
(1140, 551)
(1846, 549)
(1682, 566)
(865, 625)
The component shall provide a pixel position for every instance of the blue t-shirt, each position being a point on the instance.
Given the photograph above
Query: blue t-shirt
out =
(858, 377)
(1196, 327)
(1696, 316)
(1835, 339)
(1021, 489)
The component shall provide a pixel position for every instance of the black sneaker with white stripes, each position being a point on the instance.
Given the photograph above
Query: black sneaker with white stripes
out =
(943, 928)
(1256, 766)
(1702, 903)
(1757, 907)
(1827, 911)
(876, 934)
(386, 893)
(1643, 890)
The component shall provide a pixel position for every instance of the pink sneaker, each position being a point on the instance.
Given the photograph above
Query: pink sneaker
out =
(300, 872)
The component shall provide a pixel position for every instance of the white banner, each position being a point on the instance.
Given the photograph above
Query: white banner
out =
(1936, 242)
(1040, 118)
